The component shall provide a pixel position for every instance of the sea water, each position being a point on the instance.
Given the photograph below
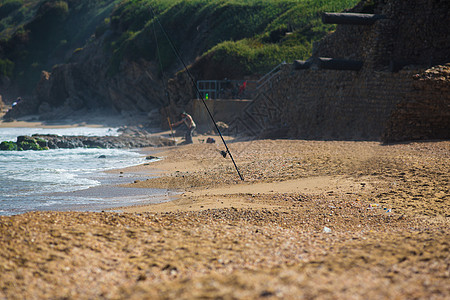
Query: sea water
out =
(69, 179)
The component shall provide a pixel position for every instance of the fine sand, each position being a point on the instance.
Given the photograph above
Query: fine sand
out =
(313, 219)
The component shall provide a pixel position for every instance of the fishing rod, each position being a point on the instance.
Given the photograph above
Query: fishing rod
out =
(197, 90)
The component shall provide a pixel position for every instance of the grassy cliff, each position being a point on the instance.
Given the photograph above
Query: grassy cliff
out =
(250, 35)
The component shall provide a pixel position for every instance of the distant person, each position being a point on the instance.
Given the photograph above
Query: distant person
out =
(242, 88)
(190, 124)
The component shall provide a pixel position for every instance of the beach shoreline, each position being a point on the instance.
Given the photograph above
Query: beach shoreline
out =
(95, 119)
(313, 219)
(108, 192)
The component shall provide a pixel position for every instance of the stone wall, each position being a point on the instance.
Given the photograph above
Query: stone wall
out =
(329, 104)
(424, 113)
(349, 105)
(413, 33)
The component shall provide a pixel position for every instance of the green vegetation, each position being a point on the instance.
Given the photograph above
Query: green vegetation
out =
(252, 35)
(289, 36)
(41, 33)
(14, 14)
(8, 146)
(24, 143)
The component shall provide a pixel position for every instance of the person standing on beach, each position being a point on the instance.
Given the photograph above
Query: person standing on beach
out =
(190, 124)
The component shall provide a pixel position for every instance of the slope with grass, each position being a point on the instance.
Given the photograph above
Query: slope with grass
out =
(113, 53)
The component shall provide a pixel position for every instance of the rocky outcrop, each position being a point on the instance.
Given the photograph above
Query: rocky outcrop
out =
(24, 143)
(106, 142)
(87, 82)
(129, 138)
(45, 142)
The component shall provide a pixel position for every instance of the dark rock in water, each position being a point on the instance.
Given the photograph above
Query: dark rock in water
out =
(24, 143)
(104, 142)
(151, 157)
(8, 146)
(25, 139)
(102, 156)
(51, 141)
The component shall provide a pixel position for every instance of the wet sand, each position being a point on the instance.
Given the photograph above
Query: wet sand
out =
(87, 119)
(313, 219)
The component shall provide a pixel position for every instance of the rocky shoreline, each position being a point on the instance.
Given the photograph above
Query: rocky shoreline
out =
(129, 138)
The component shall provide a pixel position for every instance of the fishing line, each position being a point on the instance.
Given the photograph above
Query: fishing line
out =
(163, 82)
(197, 90)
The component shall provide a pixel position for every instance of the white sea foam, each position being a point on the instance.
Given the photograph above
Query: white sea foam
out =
(30, 180)
(10, 134)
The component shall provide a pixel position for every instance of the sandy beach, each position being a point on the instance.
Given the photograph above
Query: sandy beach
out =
(311, 220)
